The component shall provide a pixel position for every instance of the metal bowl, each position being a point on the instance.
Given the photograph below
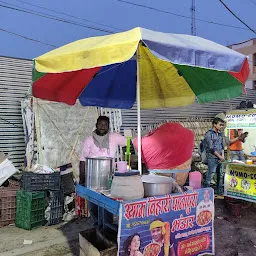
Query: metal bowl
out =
(156, 185)
(156, 189)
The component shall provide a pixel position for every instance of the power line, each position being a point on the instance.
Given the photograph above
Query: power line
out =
(237, 16)
(66, 21)
(252, 1)
(44, 15)
(27, 38)
(47, 16)
(178, 15)
(68, 15)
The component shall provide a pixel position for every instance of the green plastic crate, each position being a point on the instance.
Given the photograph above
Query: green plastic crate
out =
(30, 209)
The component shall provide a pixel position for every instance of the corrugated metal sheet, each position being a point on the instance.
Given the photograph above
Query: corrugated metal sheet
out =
(15, 78)
(208, 110)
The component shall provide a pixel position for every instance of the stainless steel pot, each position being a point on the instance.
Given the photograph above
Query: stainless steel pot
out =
(98, 172)
(156, 185)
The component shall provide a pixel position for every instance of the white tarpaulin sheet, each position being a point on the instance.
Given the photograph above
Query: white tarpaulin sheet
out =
(63, 129)
(58, 131)
(55, 132)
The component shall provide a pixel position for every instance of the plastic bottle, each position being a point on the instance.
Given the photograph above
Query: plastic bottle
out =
(195, 179)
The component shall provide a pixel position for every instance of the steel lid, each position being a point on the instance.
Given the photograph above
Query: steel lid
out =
(125, 174)
(99, 158)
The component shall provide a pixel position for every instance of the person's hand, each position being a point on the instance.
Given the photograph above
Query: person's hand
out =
(222, 159)
(176, 188)
(243, 136)
(138, 253)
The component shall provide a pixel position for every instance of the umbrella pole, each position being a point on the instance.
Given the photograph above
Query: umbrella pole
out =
(138, 114)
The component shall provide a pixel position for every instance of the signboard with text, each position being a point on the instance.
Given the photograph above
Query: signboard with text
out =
(172, 225)
(241, 119)
(240, 182)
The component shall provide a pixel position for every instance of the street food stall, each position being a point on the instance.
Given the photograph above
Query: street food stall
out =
(156, 70)
(240, 176)
(186, 218)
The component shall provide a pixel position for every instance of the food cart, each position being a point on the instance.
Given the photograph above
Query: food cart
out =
(187, 218)
(156, 70)
(240, 178)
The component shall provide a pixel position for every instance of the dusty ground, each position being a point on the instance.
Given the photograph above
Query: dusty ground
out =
(233, 236)
(55, 240)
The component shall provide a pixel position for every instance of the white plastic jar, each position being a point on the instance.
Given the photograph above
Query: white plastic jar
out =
(127, 186)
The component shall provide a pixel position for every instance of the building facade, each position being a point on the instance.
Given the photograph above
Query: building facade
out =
(248, 48)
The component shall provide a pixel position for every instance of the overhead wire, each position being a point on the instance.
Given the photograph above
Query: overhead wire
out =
(104, 30)
(252, 1)
(27, 38)
(178, 15)
(68, 15)
(236, 16)
(47, 16)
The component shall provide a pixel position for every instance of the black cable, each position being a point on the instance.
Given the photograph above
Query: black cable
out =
(49, 16)
(44, 15)
(179, 15)
(54, 46)
(55, 18)
(68, 15)
(237, 16)
(27, 38)
(252, 1)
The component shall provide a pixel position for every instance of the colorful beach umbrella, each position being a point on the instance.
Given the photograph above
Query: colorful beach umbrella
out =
(173, 69)
(160, 69)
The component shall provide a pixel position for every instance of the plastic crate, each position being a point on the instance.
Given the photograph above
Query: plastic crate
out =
(30, 209)
(56, 207)
(67, 183)
(40, 182)
(7, 206)
(14, 184)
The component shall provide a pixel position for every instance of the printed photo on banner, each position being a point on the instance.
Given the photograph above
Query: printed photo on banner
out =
(204, 210)
(171, 225)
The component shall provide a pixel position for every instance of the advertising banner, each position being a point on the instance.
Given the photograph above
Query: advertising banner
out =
(240, 182)
(172, 225)
(246, 119)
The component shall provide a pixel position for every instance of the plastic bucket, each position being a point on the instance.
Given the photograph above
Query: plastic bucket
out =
(122, 166)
